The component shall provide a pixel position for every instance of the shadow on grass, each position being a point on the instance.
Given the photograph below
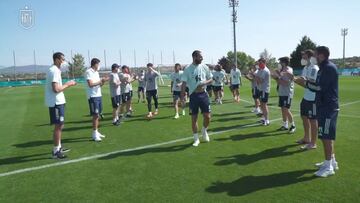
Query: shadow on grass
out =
(234, 118)
(244, 136)
(50, 142)
(174, 148)
(245, 159)
(249, 184)
(23, 159)
(230, 113)
(234, 127)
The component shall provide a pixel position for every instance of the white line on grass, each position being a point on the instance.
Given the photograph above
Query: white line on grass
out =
(35, 168)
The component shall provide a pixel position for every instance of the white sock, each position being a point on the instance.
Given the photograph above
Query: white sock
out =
(96, 131)
(285, 124)
(56, 149)
(196, 136)
(327, 163)
(293, 123)
(114, 120)
(333, 157)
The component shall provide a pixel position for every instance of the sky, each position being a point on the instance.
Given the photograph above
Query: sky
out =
(172, 26)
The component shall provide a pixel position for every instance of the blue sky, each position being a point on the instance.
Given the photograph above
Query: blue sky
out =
(167, 25)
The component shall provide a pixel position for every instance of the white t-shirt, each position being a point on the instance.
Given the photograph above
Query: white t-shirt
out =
(264, 74)
(194, 75)
(176, 79)
(91, 74)
(125, 87)
(219, 77)
(235, 76)
(52, 98)
(310, 73)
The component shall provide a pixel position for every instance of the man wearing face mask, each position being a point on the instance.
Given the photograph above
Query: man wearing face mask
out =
(197, 76)
(263, 83)
(55, 100)
(284, 78)
(327, 104)
(94, 84)
(308, 106)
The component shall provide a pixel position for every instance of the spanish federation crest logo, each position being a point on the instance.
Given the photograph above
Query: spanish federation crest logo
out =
(27, 19)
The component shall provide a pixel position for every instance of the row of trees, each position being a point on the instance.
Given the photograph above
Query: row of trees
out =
(245, 61)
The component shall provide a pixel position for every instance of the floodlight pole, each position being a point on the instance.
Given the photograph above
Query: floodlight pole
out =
(233, 4)
(14, 65)
(344, 32)
(36, 75)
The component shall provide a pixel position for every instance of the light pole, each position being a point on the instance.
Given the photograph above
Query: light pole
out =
(233, 4)
(344, 32)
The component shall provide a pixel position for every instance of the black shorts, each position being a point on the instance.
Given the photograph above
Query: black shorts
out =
(116, 101)
(217, 88)
(209, 88)
(151, 93)
(264, 96)
(95, 105)
(176, 95)
(199, 100)
(140, 89)
(285, 101)
(125, 97)
(234, 87)
(308, 109)
(255, 93)
(57, 114)
(327, 124)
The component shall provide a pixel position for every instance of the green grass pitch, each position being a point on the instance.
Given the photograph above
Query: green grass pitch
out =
(243, 162)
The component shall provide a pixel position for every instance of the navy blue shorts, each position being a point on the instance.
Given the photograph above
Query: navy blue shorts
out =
(140, 89)
(217, 88)
(255, 93)
(151, 93)
(125, 97)
(264, 96)
(327, 124)
(116, 101)
(199, 100)
(95, 105)
(57, 114)
(234, 87)
(308, 109)
(209, 88)
(176, 95)
(285, 101)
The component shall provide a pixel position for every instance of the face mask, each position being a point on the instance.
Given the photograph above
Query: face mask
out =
(313, 61)
(257, 67)
(279, 66)
(304, 62)
(262, 65)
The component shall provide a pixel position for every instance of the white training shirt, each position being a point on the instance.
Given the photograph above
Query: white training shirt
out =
(310, 73)
(235, 76)
(176, 79)
(91, 74)
(52, 98)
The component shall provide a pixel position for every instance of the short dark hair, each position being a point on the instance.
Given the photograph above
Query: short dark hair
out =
(195, 53)
(263, 60)
(177, 64)
(57, 55)
(323, 50)
(308, 52)
(149, 65)
(95, 61)
(124, 66)
(285, 60)
(114, 66)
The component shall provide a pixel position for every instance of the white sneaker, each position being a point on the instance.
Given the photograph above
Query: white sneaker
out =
(176, 116)
(325, 172)
(196, 142)
(220, 101)
(205, 135)
(100, 135)
(335, 165)
(183, 112)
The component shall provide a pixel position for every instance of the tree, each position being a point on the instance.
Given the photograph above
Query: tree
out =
(77, 66)
(305, 43)
(271, 61)
(225, 63)
(244, 61)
